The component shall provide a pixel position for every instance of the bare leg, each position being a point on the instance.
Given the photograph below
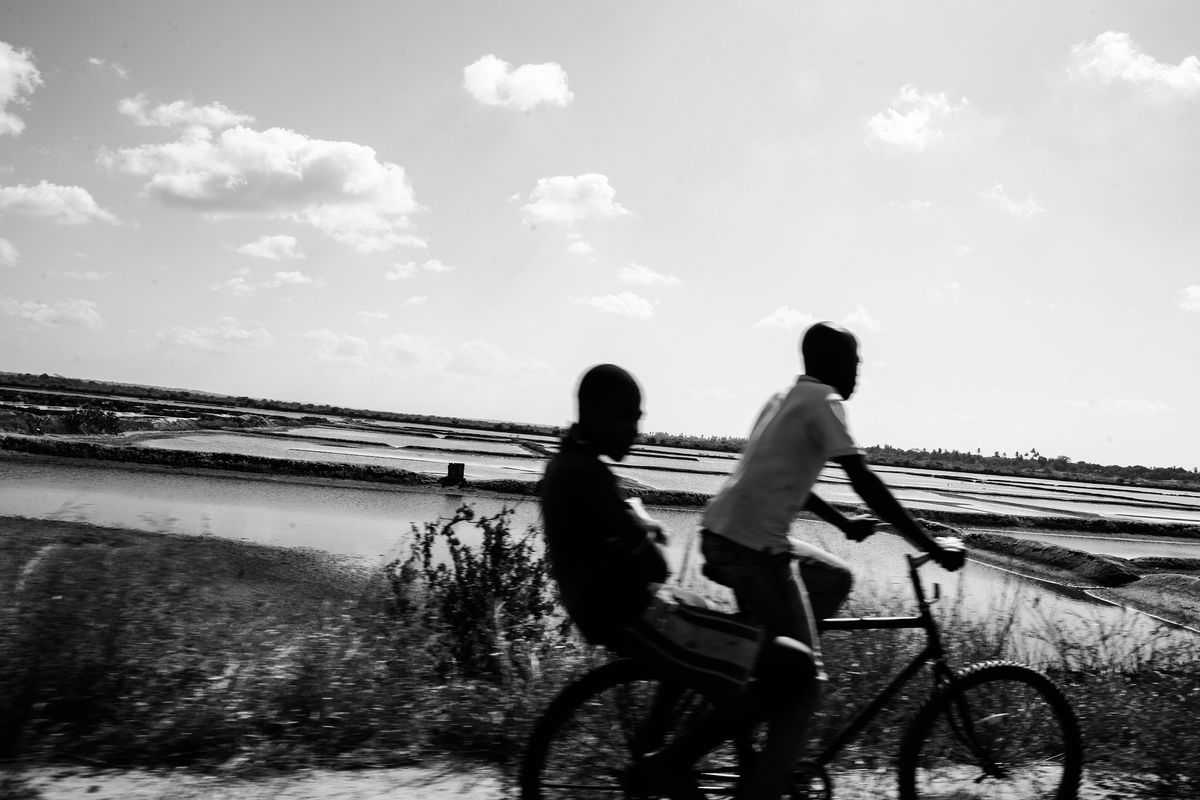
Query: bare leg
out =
(827, 579)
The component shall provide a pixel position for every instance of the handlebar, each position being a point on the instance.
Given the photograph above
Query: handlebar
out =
(921, 559)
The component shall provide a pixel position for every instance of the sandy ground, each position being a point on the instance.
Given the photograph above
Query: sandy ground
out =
(408, 783)
(1171, 597)
(397, 784)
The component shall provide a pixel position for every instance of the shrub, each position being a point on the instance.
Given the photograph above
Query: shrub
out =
(1139, 717)
(494, 605)
(90, 419)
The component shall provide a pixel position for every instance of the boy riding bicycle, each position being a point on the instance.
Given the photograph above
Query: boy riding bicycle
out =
(608, 563)
(781, 584)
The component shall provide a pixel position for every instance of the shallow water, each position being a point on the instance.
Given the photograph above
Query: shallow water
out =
(374, 523)
(1113, 544)
(363, 520)
(429, 449)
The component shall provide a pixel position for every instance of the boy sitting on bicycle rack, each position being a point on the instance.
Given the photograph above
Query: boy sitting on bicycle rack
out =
(745, 539)
(607, 560)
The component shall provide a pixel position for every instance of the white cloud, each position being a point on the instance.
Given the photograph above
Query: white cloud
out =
(495, 83)
(420, 352)
(486, 360)
(82, 313)
(339, 349)
(580, 248)
(181, 113)
(373, 316)
(238, 285)
(787, 318)
(400, 272)
(644, 276)
(227, 337)
(293, 278)
(338, 188)
(1189, 298)
(860, 320)
(8, 253)
(1021, 209)
(19, 78)
(111, 66)
(790, 319)
(89, 275)
(273, 248)
(964, 251)
(67, 205)
(567, 200)
(625, 304)
(915, 120)
(1113, 57)
(416, 300)
(474, 359)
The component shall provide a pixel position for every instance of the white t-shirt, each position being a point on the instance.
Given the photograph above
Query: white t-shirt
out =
(796, 433)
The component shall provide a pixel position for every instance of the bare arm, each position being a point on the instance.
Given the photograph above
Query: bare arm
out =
(855, 527)
(648, 553)
(880, 499)
(639, 538)
(651, 562)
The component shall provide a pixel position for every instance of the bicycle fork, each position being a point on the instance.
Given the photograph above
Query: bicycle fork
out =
(964, 730)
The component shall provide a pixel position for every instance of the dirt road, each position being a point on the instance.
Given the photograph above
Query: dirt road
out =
(375, 784)
(391, 784)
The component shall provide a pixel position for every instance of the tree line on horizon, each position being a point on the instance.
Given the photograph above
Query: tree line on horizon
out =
(1029, 463)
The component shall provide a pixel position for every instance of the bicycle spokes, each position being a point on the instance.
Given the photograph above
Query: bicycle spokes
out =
(1004, 731)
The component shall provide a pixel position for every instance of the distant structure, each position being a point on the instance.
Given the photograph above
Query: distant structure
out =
(455, 474)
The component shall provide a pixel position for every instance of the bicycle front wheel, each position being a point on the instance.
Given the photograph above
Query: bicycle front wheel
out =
(1000, 731)
(585, 742)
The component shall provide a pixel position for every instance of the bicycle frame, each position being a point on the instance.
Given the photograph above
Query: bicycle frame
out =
(933, 653)
(649, 708)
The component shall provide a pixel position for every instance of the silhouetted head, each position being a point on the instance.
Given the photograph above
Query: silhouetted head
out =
(610, 405)
(831, 356)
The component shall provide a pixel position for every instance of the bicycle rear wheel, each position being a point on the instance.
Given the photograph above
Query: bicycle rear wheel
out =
(589, 736)
(1002, 731)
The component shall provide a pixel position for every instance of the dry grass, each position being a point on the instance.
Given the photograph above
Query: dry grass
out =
(150, 650)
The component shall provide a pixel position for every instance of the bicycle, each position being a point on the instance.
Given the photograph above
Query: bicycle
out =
(995, 729)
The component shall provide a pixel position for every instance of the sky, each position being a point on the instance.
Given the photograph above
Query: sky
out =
(457, 208)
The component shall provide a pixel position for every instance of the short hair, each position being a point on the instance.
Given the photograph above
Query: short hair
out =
(605, 386)
(827, 342)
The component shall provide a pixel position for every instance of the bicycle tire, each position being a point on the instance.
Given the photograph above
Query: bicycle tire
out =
(592, 732)
(1001, 730)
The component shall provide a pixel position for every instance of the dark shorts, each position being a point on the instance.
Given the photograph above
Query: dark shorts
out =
(826, 579)
(772, 589)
